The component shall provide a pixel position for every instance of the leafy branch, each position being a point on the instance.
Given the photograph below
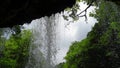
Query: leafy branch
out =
(85, 10)
(73, 15)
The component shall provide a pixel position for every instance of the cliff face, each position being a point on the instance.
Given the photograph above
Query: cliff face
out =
(14, 12)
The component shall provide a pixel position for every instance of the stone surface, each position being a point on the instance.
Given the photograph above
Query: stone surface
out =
(17, 12)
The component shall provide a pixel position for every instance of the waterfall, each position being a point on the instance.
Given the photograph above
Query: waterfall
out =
(43, 45)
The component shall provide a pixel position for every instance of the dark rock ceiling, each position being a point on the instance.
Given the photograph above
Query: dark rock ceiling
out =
(17, 12)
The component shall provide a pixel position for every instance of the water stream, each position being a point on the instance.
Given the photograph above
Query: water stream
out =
(43, 45)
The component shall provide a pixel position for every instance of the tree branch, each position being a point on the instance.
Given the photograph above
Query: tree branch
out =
(85, 10)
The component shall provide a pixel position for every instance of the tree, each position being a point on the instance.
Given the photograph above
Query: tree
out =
(16, 48)
(101, 48)
(74, 15)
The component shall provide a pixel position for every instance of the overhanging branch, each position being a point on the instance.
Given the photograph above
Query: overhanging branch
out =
(85, 10)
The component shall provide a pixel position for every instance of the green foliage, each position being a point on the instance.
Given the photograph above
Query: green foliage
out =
(15, 53)
(101, 48)
(74, 52)
(72, 13)
(60, 65)
(2, 42)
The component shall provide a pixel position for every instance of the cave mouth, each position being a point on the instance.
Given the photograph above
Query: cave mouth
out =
(18, 12)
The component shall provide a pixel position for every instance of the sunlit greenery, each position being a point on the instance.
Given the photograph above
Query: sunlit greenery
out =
(101, 48)
(15, 50)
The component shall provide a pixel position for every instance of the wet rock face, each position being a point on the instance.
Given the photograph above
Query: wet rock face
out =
(14, 12)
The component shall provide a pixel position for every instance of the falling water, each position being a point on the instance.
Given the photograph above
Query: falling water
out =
(43, 46)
